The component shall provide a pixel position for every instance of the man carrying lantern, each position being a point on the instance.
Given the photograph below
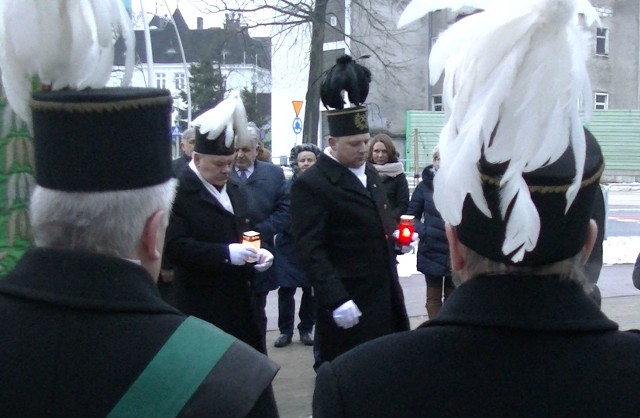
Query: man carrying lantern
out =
(343, 228)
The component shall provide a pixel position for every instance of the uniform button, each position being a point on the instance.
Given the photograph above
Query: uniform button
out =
(375, 185)
(386, 236)
(226, 261)
(385, 205)
(247, 221)
(248, 283)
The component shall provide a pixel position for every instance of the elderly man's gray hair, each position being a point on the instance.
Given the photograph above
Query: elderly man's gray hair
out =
(254, 133)
(569, 269)
(188, 135)
(108, 223)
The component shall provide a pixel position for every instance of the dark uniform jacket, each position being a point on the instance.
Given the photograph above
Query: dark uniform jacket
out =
(77, 330)
(207, 285)
(502, 346)
(342, 233)
(268, 207)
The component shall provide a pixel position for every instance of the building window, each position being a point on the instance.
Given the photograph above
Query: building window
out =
(436, 103)
(180, 84)
(161, 80)
(601, 101)
(602, 41)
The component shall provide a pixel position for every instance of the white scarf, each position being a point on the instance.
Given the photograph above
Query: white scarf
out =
(359, 172)
(221, 195)
(390, 169)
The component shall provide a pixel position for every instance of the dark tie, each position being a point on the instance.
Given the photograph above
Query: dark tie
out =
(243, 175)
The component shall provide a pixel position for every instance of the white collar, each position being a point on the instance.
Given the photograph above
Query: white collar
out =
(221, 196)
(359, 172)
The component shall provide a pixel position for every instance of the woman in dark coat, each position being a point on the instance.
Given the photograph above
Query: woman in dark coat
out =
(433, 249)
(289, 274)
(384, 157)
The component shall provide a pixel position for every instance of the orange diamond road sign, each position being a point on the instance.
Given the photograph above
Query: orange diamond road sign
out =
(297, 106)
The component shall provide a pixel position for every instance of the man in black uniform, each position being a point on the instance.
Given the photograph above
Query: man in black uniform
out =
(342, 226)
(85, 332)
(214, 282)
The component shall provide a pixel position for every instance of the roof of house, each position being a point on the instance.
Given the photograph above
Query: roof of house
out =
(231, 44)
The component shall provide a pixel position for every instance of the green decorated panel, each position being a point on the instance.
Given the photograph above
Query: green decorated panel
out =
(16, 184)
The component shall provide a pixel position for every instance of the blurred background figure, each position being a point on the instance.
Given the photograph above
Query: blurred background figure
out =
(187, 142)
(290, 276)
(263, 153)
(433, 250)
(384, 157)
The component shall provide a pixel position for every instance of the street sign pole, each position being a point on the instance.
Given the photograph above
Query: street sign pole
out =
(297, 122)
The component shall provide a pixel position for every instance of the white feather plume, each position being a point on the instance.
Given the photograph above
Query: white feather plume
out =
(419, 8)
(416, 9)
(514, 75)
(65, 43)
(229, 116)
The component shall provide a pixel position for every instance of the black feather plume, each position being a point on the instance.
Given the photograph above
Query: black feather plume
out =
(347, 75)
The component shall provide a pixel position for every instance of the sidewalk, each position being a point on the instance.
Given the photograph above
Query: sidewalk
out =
(293, 386)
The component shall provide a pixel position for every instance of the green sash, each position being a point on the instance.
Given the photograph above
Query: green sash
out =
(177, 370)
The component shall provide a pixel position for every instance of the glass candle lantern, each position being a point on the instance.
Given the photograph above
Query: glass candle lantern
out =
(406, 229)
(253, 239)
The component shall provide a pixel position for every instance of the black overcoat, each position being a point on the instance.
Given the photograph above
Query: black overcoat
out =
(207, 285)
(342, 234)
(502, 346)
(77, 330)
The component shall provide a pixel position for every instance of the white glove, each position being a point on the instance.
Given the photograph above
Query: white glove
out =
(406, 248)
(265, 260)
(347, 314)
(239, 253)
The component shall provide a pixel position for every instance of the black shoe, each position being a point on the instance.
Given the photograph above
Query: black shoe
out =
(306, 338)
(282, 341)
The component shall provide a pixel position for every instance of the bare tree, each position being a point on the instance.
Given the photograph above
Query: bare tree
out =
(310, 129)
(287, 16)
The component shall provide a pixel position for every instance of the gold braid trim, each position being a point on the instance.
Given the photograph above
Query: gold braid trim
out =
(348, 111)
(100, 107)
(495, 181)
